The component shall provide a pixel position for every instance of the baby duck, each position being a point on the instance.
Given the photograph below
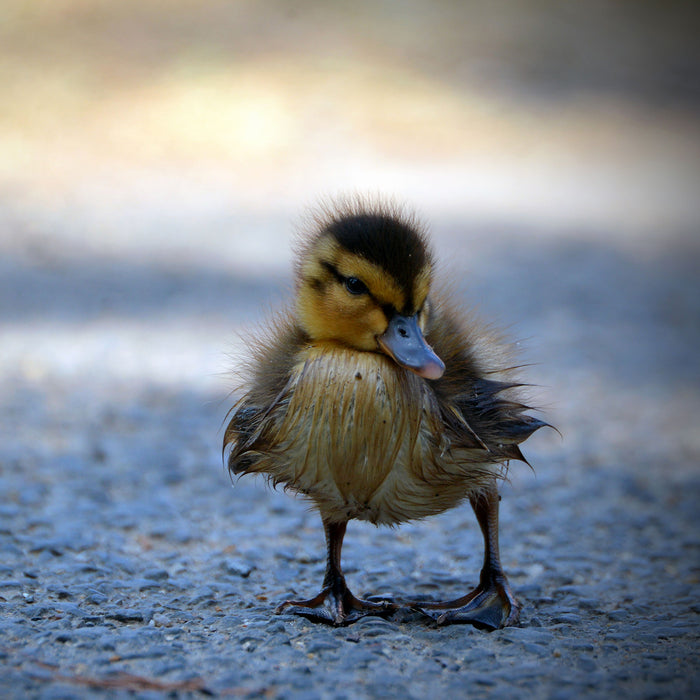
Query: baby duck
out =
(376, 400)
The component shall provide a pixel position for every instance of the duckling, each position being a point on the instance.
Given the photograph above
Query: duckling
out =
(377, 400)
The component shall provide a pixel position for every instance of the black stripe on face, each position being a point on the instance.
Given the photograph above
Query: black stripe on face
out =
(342, 280)
(389, 309)
(330, 267)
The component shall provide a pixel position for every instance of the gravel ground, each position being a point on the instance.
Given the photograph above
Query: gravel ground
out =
(130, 566)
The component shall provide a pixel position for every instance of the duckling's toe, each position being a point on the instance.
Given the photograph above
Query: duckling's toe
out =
(336, 606)
(490, 606)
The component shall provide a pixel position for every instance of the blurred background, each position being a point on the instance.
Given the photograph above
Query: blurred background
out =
(155, 156)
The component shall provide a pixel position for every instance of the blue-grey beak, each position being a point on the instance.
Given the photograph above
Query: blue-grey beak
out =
(404, 342)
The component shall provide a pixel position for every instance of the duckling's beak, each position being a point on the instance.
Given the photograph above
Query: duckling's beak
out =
(404, 342)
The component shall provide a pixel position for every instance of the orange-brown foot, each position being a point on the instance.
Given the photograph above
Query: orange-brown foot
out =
(491, 605)
(336, 605)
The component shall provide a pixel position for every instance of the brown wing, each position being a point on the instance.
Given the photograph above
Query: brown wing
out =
(480, 412)
(273, 354)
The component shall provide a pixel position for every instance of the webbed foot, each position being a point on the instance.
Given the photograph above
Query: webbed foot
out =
(336, 605)
(491, 605)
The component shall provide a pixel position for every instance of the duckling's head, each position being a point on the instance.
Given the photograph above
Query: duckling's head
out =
(363, 279)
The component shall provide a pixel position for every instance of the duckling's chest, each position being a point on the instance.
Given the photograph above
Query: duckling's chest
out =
(355, 433)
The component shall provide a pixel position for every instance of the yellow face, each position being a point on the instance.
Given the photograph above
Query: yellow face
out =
(346, 298)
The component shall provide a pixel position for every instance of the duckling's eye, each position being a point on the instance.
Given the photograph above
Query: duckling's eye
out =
(355, 286)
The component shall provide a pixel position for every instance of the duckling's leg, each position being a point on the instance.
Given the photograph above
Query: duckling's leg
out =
(491, 605)
(335, 604)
